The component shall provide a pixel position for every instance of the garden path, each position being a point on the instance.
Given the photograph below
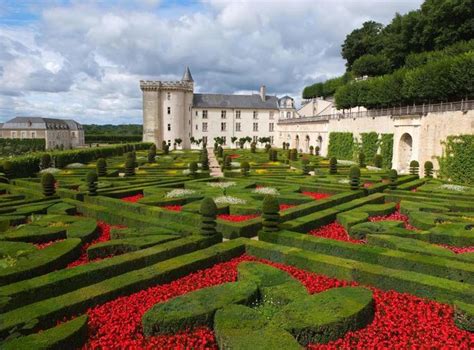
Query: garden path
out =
(214, 166)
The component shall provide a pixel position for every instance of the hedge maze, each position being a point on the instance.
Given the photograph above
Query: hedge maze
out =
(142, 248)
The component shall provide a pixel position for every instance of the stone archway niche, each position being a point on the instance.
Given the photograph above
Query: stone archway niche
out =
(405, 149)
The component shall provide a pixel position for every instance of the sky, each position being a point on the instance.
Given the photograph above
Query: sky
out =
(83, 59)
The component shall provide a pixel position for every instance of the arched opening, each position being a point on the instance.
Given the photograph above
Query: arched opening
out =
(319, 143)
(405, 148)
(306, 144)
(297, 142)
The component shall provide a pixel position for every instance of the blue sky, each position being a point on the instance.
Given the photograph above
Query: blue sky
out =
(84, 59)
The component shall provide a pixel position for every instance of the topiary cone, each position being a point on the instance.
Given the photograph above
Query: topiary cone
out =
(48, 182)
(354, 177)
(414, 167)
(245, 168)
(333, 166)
(428, 169)
(45, 161)
(193, 167)
(101, 167)
(91, 179)
(130, 167)
(208, 213)
(393, 175)
(8, 169)
(271, 214)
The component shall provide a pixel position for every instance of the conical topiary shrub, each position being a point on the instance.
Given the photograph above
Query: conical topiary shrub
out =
(45, 162)
(271, 214)
(354, 177)
(204, 160)
(316, 150)
(305, 166)
(227, 163)
(91, 180)
(220, 152)
(166, 149)
(274, 154)
(294, 155)
(48, 182)
(208, 213)
(151, 154)
(245, 168)
(130, 167)
(101, 167)
(8, 169)
(428, 169)
(333, 166)
(193, 167)
(393, 176)
(414, 167)
(311, 150)
(253, 147)
(378, 161)
(362, 160)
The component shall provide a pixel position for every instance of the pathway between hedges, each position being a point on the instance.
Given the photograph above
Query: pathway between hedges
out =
(214, 166)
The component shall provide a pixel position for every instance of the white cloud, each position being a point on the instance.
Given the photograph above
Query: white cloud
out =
(84, 60)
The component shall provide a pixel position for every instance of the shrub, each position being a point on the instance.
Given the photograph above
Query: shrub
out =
(428, 169)
(311, 149)
(341, 145)
(369, 144)
(378, 161)
(8, 169)
(414, 167)
(91, 180)
(305, 166)
(267, 147)
(393, 175)
(245, 168)
(204, 160)
(457, 163)
(101, 167)
(354, 177)
(151, 154)
(220, 152)
(130, 167)
(362, 160)
(333, 166)
(227, 163)
(253, 147)
(208, 213)
(166, 150)
(317, 149)
(48, 184)
(294, 154)
(271, 214)
(45, 161)
(193, 167)
(386, 150)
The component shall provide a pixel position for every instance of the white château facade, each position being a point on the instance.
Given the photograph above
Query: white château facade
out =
(171, 110)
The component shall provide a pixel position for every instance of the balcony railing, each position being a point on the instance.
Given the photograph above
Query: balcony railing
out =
(464, 105)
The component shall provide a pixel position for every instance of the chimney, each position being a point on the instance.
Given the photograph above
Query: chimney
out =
(262, 92)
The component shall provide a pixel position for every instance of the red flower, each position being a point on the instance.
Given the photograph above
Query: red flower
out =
(172, 207)
(132, 199)
(237, 218)
(47, 244)
(334, 231)
(286, 206)
(458, 250)
(396, 216)
(316, 195)
(233, 156)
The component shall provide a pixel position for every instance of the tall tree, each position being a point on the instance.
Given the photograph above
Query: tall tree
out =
(362, 41)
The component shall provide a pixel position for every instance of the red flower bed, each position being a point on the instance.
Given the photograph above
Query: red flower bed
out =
(368, 184)
(234, 156)
(396, 216)
(104, 236)
(401, 321)
(284, 206)
(173, 207)
(334, 231)
(316, 195)
(132, 199)
(458, 250)
(237, 218)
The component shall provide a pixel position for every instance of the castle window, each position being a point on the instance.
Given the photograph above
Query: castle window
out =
(223, 114)
(255, 126)
(197, 113)
(271, 115)
(225, 140)
(13, 134)
(255, 114)
(169, 110)
(223, 126)
(237, 127)
(33, 134)
(271, 140)
(204, 127)
(270, 127)
(169, 127)
(168, 96)
(237, 114)
(23, 134)
(204, 140)
(204, 114)
(196, 127)
(255, 139)
(288, 115)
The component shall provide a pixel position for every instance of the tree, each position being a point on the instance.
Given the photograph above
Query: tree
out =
(48, 183)
(393, 176)
(233, 139)
(428, 169)
(244, 168)
(305, 166)
(271, 214)
(414, 167)
(91, 180)
(193, 167)
(371, 65)
(208, 211)
(130, 167)
(362, 41)
(178, 141)
(101, 167)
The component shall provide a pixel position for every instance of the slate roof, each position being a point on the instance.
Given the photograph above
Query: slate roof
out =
(234, 101)
(38, 123)
(187, 75)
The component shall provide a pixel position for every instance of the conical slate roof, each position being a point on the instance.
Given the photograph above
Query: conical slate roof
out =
(187, 75)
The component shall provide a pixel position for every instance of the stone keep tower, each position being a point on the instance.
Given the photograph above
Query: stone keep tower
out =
(167, 110)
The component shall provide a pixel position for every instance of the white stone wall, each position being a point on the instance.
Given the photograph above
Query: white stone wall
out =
(152, 128)
(214, 124)
(176, 123)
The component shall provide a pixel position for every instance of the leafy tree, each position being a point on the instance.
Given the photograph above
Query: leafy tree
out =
(371, 65)
(48, 183)
(362, 41)
(233, 139)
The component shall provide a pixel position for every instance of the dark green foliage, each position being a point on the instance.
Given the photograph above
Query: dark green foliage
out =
(245, 168)
(220, 152)
(130, 167)
(101, 167)
(272, 155)
(253, 147)
(386, 150)
(325, 89)
(48, 184)
(293, 154)
(45, 161)
(271, 214)
(91, 180)
(393, 177)
(311, 149)
(8, 169)
(457, 163)
(114, 139)
(208, 213)
(14, 147)
(354, 177)
(193, 167)
(204, 160)
(317, 150)
(370, 145)
(362, 160)
(378, 161)
(371, 65)
(166, 150)
(152, 154)
(305, 166)
(227, 163)
(333, 166)
(341, 145)
(429, 169)
(267, 147)
(414, 167)
(361, 41)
